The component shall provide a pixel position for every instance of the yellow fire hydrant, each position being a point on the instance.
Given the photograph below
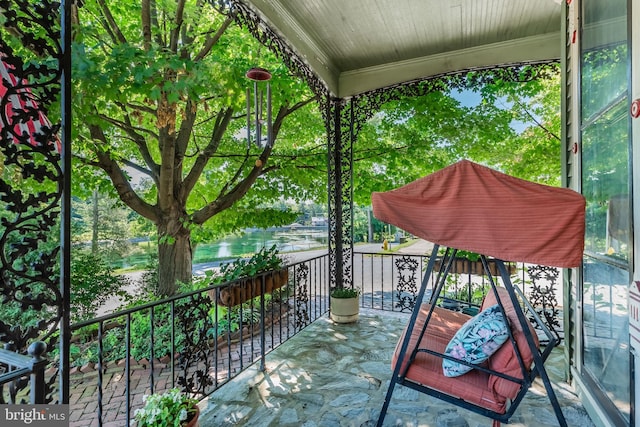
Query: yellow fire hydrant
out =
(385, 245)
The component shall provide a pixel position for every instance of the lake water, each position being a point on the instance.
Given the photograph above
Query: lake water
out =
(285, 239)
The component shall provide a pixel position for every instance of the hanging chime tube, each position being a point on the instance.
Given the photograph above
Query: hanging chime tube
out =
(269, 124)
(257, 74)
(258, 109)
(248, 119)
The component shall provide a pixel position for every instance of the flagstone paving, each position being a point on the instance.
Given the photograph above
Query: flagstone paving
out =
(337, 375)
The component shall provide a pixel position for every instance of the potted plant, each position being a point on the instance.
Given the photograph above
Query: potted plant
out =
(248, 275)
(344, 307)
(466, 262)
(171, 408)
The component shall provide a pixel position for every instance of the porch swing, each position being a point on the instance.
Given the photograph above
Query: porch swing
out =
(485, 363)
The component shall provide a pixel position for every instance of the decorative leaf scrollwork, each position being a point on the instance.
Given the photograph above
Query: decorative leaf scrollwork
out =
(301, 305)
(543, 296)
(407, 290)
(31, 178)
(196, 357)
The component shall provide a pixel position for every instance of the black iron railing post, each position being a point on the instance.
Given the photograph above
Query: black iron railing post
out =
(19, 366)
(262, 325)
(37, 365)
(100, 369)
(151, 349)
(65, 208)
(127, 369)
(173, 341)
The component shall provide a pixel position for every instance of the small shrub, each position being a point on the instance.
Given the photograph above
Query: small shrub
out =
(171, 408)
(341, 292)
(92, 283)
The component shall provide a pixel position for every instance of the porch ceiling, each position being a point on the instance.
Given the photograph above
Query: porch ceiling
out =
(359, 45)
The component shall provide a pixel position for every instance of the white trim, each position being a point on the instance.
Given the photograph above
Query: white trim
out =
(591, 405)
(634, 91)
(543, 47)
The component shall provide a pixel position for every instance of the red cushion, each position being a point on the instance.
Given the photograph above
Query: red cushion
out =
(427, 369)
(505, 359)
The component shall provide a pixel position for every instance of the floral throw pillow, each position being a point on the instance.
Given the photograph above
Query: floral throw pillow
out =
(475, 341)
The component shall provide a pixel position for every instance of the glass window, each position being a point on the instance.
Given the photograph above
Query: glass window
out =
(605, 182)
(606, 331)
(605, 185)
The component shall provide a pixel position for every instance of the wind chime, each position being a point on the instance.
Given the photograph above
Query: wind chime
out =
(259, 75)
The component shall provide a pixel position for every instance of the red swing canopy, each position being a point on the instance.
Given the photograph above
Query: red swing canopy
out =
(471, 207)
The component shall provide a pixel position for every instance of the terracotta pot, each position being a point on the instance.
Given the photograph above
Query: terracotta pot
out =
(237, 293)
(247, 289)
(276, 280)
(193, 422)
(465, 266)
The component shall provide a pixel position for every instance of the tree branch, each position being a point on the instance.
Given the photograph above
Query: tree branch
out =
(127, 126)
(138, 139)
(188, 27)
(167, 145)
(222, 122)
(537, 123)
(301, 104)
(146, 24)
(186, 128)
(285, 111)
(111, 25)
(226, 199)
(177, 25)
(142, 108)
(118, 178)
(211, 41)
(154, 22)
(137, 167)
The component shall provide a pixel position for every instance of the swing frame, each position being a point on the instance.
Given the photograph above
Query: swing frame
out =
(528, 375)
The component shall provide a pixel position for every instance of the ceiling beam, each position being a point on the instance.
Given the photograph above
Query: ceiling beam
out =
(530, 49)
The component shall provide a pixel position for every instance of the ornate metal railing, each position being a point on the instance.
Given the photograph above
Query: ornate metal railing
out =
(391, 282)
(16, 370)
(194, 341)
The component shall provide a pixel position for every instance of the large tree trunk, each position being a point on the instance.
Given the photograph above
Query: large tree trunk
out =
(174, 257)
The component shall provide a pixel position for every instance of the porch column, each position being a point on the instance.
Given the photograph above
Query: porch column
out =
(35, 160)
(339, 118)
(65, 206)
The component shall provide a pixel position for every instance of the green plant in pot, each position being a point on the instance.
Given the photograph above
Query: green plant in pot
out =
(248, 275)
(171, 408)
(344, 304)
(467, 262)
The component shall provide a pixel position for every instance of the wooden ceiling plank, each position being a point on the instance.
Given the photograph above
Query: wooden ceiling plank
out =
(340, 39)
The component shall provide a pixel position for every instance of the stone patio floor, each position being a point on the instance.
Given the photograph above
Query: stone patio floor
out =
(337, 375)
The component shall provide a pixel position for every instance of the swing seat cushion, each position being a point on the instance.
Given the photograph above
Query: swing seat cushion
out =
(426, 369)
(505, 359)
(476, 386)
